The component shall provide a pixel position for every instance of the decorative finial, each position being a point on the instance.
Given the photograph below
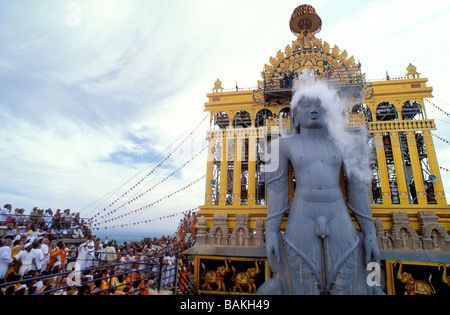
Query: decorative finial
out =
(217, 86)
(305, 18)
(412, 72)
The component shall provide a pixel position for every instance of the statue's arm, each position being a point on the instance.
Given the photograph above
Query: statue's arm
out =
(358, 199)
(277, 187)
(278, 203)
(359, 202)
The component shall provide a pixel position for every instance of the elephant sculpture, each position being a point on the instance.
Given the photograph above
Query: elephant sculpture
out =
(246, 278)
(215, 277)
(445, 278)
(414, 287)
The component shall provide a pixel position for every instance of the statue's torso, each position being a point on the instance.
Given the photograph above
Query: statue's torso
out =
(317, 164)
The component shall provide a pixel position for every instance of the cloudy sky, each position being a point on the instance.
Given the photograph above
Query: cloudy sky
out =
(95, 93)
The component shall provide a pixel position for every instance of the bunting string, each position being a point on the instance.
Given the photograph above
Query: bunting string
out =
(136, 198)
(129, 191)
(441, 139)
(150, 205)
(147, 221)
(440, 109)
(444, 169)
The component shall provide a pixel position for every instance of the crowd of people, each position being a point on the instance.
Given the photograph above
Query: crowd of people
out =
(37, 257)
(61, 224)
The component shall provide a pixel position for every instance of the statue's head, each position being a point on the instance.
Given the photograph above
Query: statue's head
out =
(309, 113)
(314, 104)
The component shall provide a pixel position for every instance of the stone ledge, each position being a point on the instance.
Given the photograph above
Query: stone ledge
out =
(226, 251)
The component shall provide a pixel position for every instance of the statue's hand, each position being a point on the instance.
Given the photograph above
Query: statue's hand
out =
(371, 248)
(273, 249)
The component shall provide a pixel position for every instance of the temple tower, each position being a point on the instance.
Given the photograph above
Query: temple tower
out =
(407, 195)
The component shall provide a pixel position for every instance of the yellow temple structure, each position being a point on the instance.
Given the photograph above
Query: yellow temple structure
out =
(408, 201)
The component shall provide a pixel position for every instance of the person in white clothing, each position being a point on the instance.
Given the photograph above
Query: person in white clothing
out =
(26, 259)
(91, 253)
(110, 255)
(85, 251)
(48, 218)
(77, 233)
(172, 267)
(5, 257)
(82, 255)
(39, 284)
(4, 213)
(38, 256)
(46, 252)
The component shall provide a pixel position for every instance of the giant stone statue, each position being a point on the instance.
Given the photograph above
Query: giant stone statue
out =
(320, 251)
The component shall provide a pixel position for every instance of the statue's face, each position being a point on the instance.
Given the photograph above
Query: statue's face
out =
(311, 113)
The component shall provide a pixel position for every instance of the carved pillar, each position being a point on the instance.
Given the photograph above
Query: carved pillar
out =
(434, 168)
(258, 236)
(237, 171)
(382, 168)
(399, 169)
(223, 171)
(209, 170)
(416, 168)
(202, 231)
(252, 166)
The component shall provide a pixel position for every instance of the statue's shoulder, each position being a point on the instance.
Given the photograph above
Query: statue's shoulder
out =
(283, 145)
(286, 141)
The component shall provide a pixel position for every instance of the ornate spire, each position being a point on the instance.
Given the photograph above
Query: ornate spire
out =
(412, 72)
(305, 18)
(217, 86)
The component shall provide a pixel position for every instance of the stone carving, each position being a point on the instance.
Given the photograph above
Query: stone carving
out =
(403, 235)
(219, 233)
(241, 235)
(258, 236)
(241, 232)
(201, 236)
(431, 233)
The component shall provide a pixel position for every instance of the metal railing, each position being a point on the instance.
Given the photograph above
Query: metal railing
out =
(154, 269)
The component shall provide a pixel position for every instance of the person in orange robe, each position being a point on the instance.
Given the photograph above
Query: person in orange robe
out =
(58, 256)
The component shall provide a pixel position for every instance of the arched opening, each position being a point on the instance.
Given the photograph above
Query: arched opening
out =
(221, 120)
(285, 112)
(284, 118)
(242, 119)
(262, 116)
(386, 111)
(412, 110)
